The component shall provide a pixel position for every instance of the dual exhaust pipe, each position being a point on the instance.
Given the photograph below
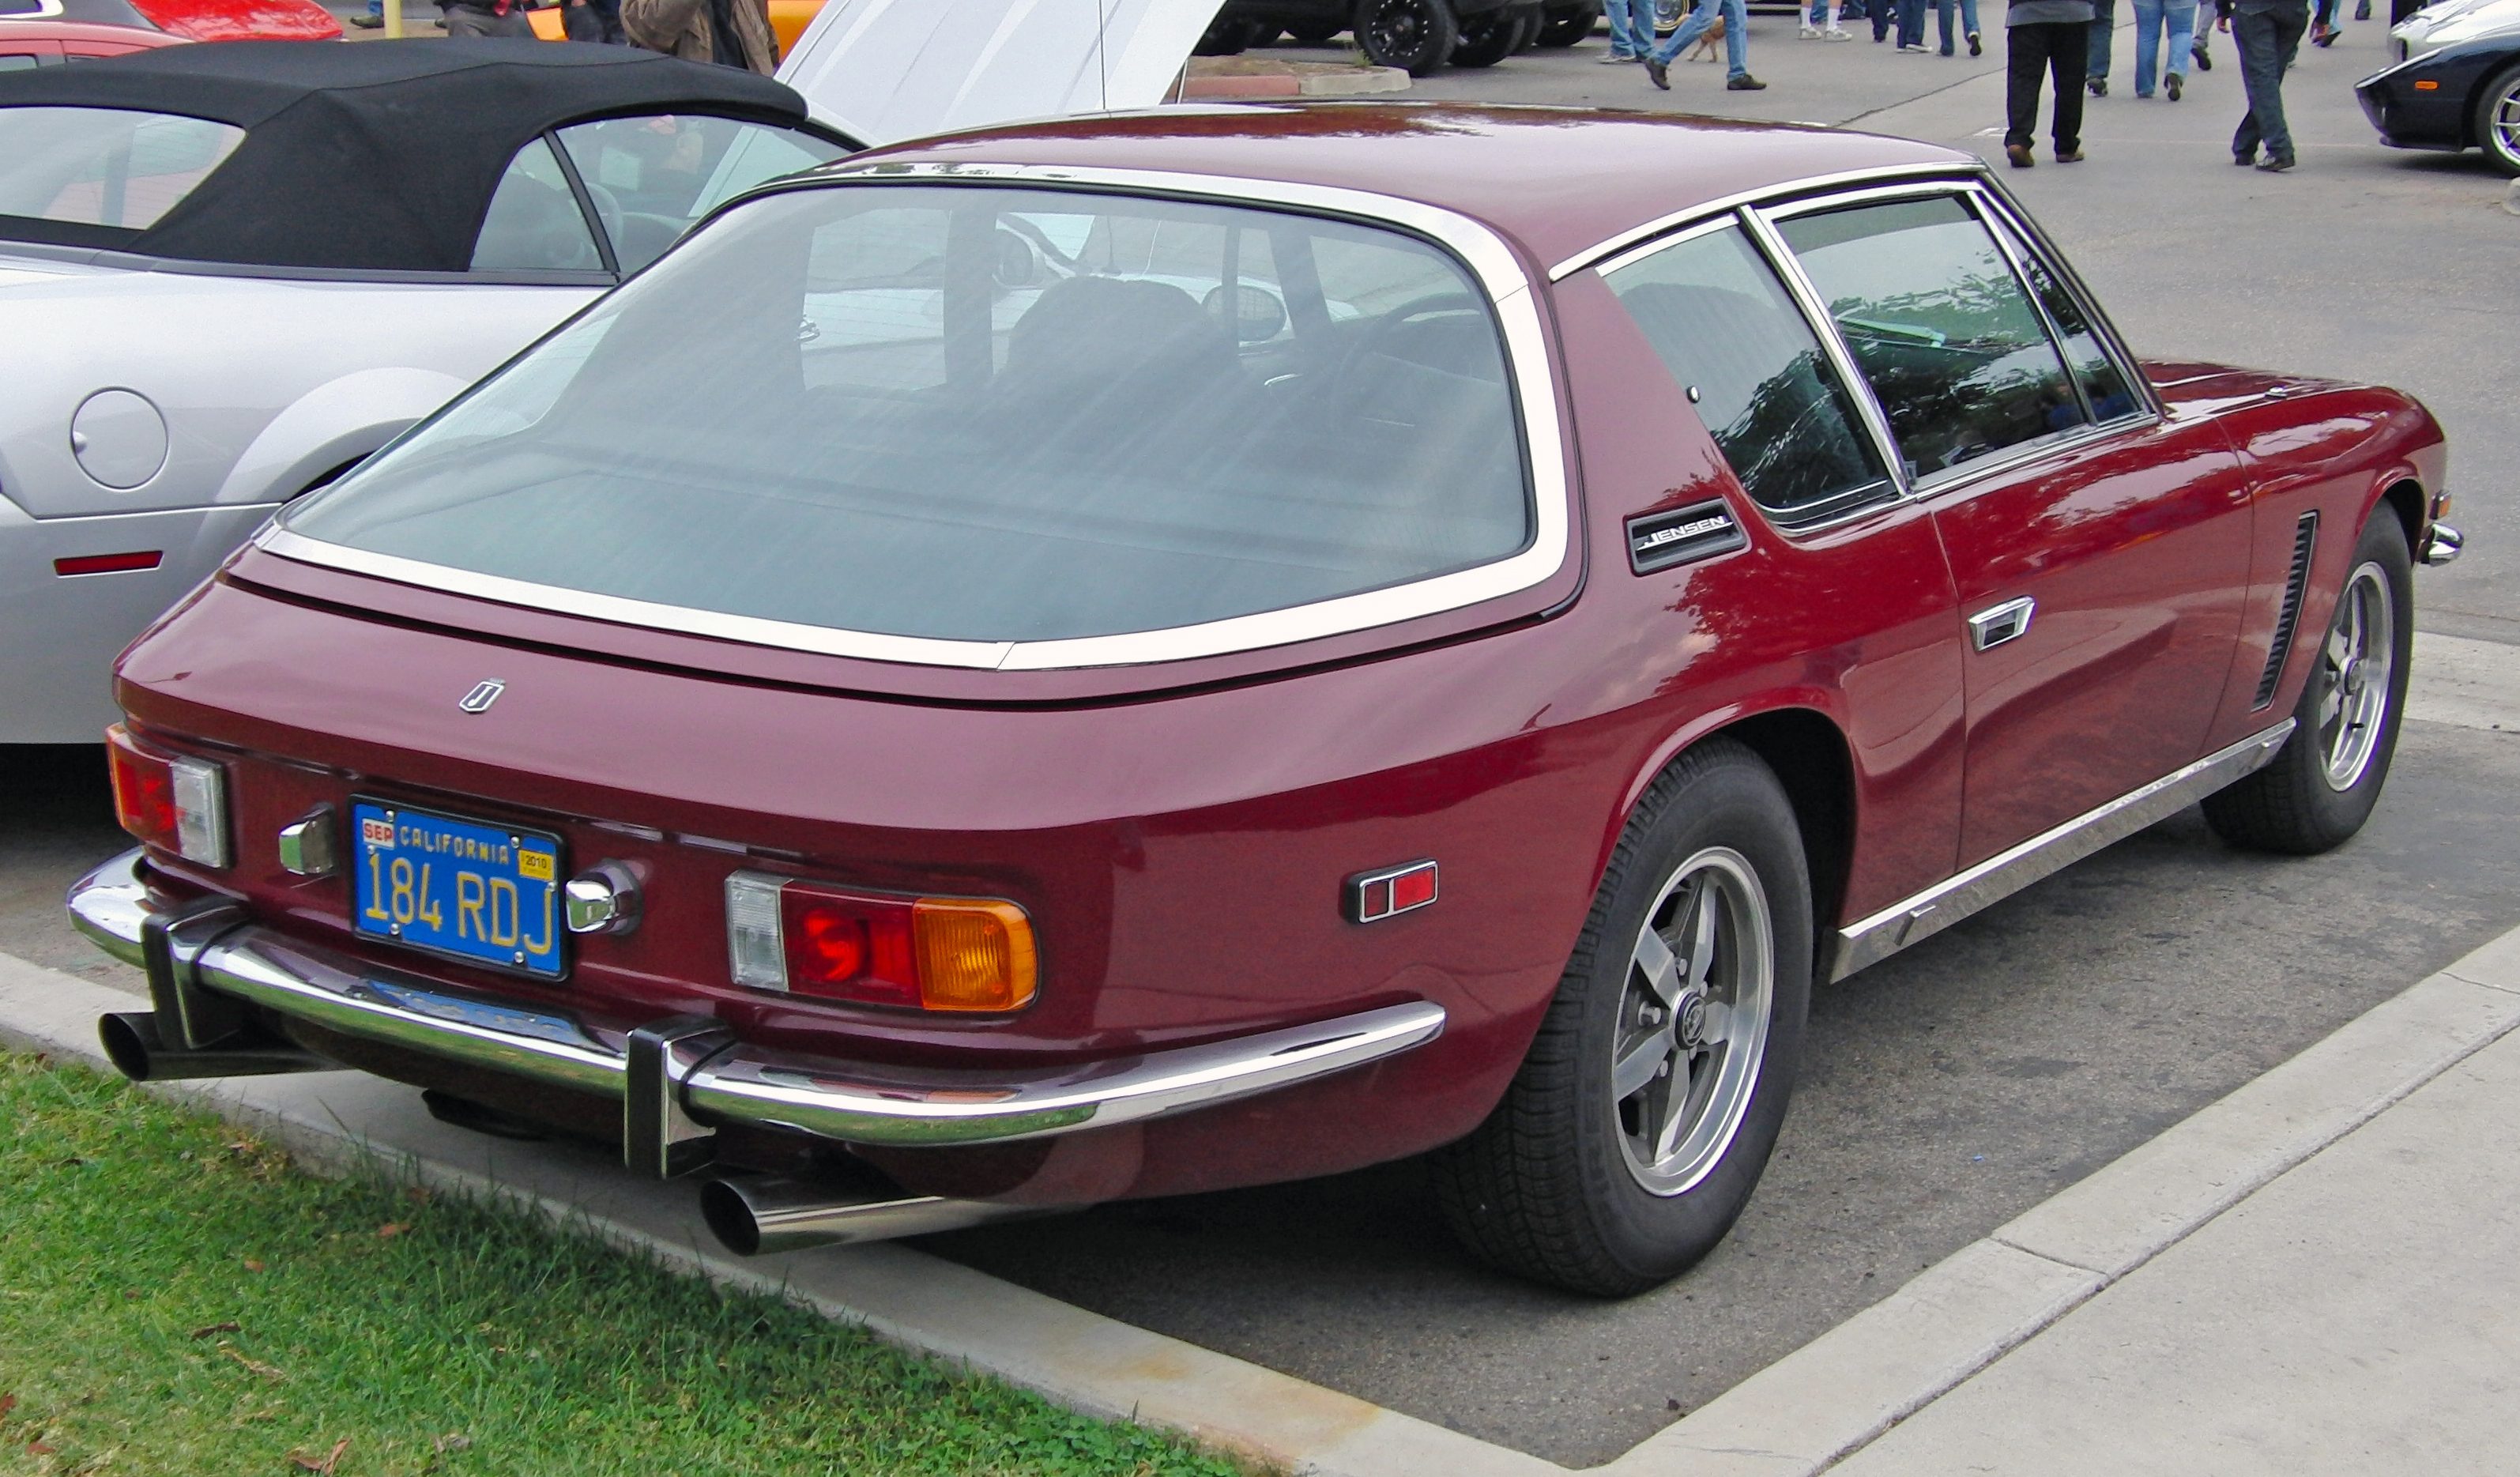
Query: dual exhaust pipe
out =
(751, 1216)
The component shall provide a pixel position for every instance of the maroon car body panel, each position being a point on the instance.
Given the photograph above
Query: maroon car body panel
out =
(1179, 833)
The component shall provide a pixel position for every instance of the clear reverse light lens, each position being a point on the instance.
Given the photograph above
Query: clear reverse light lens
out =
(755, 953)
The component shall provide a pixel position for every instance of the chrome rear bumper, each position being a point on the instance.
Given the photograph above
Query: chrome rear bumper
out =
(679, 1078)
(2440, 546)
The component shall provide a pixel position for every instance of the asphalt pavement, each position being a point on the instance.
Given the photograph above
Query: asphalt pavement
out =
(1953, 1087)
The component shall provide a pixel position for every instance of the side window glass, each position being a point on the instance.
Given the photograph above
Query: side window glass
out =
(19, 62)
(1940, 327)
(652, 176)
(2102, 385)
(534, 224)
(1750, 362)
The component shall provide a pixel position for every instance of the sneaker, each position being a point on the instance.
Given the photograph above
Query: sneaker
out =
(2018, 155)
(1749, 83)
(1919, 48)
(368, 22)
(2170, 84)
(1811, 33)
(1658, 74)
(2099, 86)
(2363, 10)
(1613, 58)
(1837, 33)
(2196, 51)
(2069, 155)
(2275, 163)
(2325, 35)
(1976, 47)
(2244, 161)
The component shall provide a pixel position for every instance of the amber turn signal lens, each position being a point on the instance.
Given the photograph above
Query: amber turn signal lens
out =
(974, 955)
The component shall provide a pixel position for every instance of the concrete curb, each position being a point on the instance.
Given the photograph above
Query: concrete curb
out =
(1081, 1360)
(1844, 1389)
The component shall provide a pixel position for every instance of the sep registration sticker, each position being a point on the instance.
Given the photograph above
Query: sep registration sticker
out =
(488, 894)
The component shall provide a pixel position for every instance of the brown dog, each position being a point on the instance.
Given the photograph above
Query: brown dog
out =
(1705, 51)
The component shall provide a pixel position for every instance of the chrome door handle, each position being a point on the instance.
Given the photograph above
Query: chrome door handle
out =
(1998, 624)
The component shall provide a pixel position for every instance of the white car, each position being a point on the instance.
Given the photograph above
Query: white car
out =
(2449, 22)
(229, 273)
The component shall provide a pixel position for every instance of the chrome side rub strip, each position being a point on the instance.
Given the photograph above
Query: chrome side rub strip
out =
(721, 1081)
(1870, 940)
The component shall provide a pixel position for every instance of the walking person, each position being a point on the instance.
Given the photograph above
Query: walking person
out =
(2047, 39)
(1821, 21)
(2165, 31)
(730, 32)
(1632, 30)
(1969, 24)
(1736, 45)
(2104, 27)
(1911, 27)
(2268, 34)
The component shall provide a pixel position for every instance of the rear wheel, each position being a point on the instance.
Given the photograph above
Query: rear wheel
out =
(1491, 38)
(1413, 35)
(1566, 25)
(2323, 784)
(2497, 120)
(1639, 1122)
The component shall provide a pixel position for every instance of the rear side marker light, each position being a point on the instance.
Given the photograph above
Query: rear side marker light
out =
(170, 801)
(108, 564)
(1376, 895)
(825, 942)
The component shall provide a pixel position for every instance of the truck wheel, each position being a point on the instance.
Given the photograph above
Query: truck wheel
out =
(1491, 38)
(2321, 785)
(1413, 35)
(1639, 1122)
(1567, 25)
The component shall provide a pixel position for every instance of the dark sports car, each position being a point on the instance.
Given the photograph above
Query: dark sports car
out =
(2464, 96)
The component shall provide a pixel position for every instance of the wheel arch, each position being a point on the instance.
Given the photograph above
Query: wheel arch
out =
(1805, 746)
(2404, 496)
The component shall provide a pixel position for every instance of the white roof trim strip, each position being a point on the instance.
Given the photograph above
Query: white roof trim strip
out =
(1490, 260)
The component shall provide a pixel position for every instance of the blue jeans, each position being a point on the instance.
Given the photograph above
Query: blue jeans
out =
(1911, 23)
(1631, 26)
(2105, 29)
(1942, 20)
(1737, 36)
(2155, 20)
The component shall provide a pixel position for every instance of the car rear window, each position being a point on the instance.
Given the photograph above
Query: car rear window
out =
(105, 166)
(985, 414)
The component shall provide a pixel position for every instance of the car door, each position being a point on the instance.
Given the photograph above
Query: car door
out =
(2100, 550)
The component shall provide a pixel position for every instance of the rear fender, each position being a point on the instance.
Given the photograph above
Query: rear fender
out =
(335, 423)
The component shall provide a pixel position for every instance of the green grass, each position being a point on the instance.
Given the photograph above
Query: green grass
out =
(175, 1297)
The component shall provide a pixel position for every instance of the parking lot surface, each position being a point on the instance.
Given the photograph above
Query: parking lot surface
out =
(1957, 1084)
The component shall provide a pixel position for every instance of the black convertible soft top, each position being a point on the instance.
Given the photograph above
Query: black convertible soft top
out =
(376, 155)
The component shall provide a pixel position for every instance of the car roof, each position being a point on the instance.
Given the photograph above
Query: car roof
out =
(1560, 181)
(375, 157)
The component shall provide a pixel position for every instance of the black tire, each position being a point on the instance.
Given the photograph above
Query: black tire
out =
(1491, 38)
(1551, 1187)
(2497, 120)
(2296, 804)
(1315, 33)
(1262, 34)
(1415, 35)
(1566, 25)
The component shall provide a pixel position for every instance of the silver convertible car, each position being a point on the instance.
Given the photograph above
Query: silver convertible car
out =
(229, 273)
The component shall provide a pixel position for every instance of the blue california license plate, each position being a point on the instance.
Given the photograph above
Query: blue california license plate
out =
(487, 894)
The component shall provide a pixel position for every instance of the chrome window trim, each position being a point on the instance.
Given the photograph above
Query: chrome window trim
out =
(1790, 269)
(2026, 231)
(1534, 395)
(1951, 172)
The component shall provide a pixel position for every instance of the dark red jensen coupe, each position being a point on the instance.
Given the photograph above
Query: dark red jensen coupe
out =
(1131, 657)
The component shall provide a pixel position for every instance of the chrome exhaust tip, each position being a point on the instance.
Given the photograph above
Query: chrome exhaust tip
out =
(765, 1217)
(140, 1051)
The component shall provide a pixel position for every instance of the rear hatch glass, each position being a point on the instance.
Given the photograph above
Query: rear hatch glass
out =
(978, 415)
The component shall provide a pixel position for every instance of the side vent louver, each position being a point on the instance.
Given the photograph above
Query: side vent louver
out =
(2305, 535)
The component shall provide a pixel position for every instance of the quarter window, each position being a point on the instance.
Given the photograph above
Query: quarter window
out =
(534, 224)
(2104, 387)
(105, 166)
(1940, 327)
(1751, 363)
(651, 176)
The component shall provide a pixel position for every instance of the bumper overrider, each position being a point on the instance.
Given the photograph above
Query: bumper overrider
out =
(678, 1079)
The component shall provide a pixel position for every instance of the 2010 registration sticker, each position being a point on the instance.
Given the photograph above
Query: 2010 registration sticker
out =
(488, 894)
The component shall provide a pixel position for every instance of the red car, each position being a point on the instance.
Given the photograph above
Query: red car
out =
(182, 19)
(1140, 655)
(44, 43)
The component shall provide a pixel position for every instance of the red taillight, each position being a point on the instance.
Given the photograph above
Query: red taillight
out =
(935, 954)
(108, 564)
(1376, 895)
(172, 801)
